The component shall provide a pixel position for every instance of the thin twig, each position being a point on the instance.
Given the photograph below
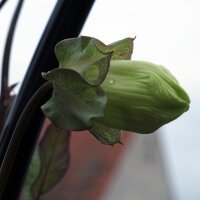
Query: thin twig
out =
(18, 133)
(2, 3)
(7, 51)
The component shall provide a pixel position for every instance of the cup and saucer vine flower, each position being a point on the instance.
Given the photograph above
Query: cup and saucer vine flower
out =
(98, 87)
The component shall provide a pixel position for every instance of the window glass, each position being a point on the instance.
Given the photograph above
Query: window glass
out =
(167, 34)
(32, 20)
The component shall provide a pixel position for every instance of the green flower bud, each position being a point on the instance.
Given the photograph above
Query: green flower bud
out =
(141, 97)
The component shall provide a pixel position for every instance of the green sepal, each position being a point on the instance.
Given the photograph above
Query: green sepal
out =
(122, 49)
(106, 135)
(82, 55)
(74, 102)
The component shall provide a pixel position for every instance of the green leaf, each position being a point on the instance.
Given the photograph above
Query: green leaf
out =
(82, 55)
(74, 102)
(106, 135)
(54, 155)
(33, 173)
(122, 49)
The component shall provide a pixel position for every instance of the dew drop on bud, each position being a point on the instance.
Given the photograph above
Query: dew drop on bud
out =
(111, 81)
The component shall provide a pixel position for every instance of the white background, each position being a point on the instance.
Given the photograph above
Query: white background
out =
(167, 33)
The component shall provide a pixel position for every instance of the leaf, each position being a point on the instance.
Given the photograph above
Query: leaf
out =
(54, 155)
(74, 102)
(106, 135)
(33, 172)
(12, 87)
(122, 49)
(82, 55)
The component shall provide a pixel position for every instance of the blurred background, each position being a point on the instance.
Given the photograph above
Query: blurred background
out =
(164, 165)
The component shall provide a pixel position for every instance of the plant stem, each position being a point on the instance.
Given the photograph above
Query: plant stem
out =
(2, 3)
(6, 57)
(18, 133)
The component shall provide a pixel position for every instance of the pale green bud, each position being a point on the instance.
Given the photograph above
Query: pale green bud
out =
(141, 96)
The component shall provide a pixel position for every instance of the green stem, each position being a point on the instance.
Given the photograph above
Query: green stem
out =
(18, 133)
